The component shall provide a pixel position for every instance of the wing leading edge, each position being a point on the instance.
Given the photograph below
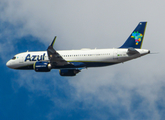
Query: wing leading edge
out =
(57, 61)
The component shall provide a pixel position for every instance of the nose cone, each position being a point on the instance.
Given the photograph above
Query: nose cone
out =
(8, 64)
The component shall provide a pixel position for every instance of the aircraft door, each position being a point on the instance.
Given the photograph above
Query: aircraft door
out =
(20, 59)
(115, 55)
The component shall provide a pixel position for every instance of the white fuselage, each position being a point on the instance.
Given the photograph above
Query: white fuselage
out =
(91, 57)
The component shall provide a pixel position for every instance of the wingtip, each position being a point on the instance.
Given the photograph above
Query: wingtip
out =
(52, 44)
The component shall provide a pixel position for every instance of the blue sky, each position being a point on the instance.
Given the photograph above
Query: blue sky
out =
(130, 91)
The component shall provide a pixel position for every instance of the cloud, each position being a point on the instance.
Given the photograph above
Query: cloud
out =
(134, 95)
(132, 90)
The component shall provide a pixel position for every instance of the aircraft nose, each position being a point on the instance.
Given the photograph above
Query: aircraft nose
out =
(8, 64)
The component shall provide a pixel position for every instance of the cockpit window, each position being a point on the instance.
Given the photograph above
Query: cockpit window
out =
(14, 58)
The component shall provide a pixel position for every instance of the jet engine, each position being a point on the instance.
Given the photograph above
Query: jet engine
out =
(42, 66)
(69, 72)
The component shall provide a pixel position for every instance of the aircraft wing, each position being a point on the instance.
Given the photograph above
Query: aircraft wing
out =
(54, 57)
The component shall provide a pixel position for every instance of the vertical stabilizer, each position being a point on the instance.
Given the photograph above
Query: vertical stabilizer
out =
(135, 40)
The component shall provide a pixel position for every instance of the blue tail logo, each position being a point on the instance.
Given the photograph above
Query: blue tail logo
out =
(137, 36)
(135, 40)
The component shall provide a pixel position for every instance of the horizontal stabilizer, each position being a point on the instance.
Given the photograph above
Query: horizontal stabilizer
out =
(132, 51)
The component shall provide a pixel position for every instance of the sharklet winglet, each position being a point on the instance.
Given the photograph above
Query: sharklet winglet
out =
(52, 44)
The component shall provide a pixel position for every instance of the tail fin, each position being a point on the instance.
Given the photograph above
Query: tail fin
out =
(135, 40)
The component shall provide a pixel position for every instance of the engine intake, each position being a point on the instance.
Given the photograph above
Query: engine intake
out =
(42, 66)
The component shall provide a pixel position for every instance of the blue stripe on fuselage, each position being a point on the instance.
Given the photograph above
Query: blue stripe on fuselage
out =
(98, 64)
(86, 64)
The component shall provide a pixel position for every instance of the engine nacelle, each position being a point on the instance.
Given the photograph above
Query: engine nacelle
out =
(68, 72)
(42, 66)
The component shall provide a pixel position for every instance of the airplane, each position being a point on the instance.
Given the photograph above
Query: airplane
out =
(71, 62)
